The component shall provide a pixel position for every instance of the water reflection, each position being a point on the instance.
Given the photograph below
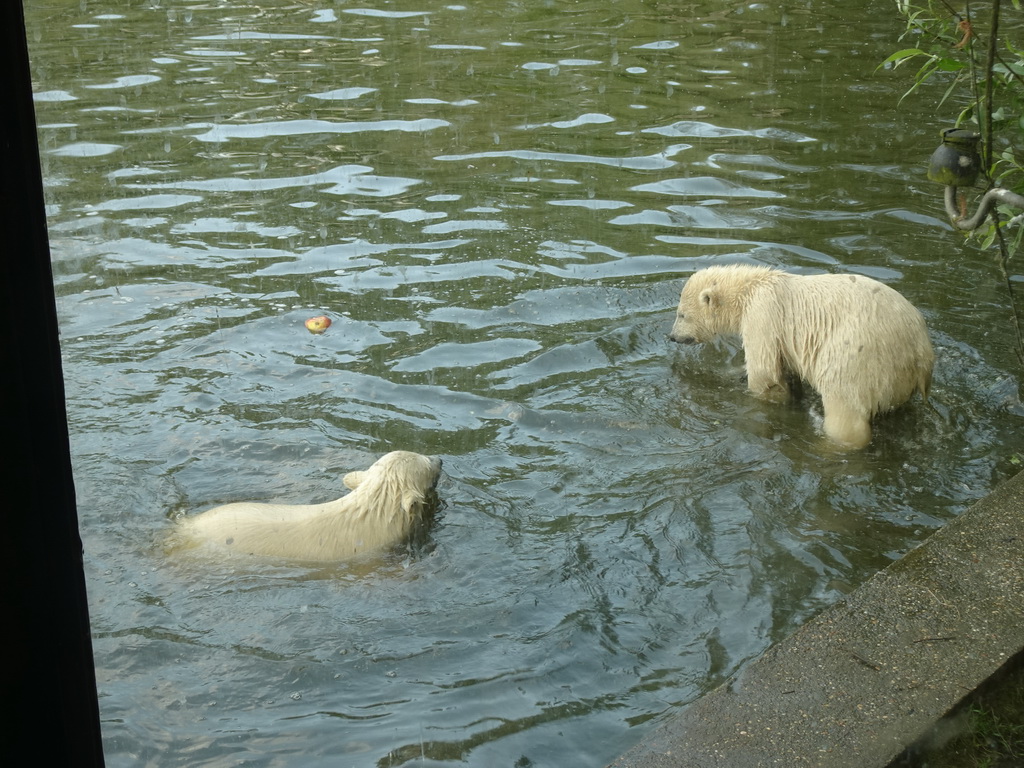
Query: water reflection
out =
(494, 204)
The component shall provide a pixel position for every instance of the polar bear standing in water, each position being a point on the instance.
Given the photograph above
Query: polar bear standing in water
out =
(859, 343)
(386, 503)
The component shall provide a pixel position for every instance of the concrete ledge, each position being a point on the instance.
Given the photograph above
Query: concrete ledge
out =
(869, 676)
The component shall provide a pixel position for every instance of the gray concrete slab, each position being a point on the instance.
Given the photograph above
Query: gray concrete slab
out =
(870, 675)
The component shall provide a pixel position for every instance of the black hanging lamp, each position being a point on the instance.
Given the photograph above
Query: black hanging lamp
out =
(956, 162)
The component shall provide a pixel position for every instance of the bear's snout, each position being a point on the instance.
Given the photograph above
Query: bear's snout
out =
(682, 339)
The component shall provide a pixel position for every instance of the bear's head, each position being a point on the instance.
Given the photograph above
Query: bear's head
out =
(696, 316)
(712, 301)
(403, 476)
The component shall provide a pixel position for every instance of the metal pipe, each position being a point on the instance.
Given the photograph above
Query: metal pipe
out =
(988, 202)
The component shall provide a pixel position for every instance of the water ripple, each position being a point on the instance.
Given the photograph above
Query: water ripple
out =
(703, 187)
(341, 180)
(647, 163)
(224, 132)
(696, 129)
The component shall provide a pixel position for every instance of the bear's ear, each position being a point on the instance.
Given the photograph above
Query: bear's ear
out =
(412, 503)
(353, 479)
(708, 297)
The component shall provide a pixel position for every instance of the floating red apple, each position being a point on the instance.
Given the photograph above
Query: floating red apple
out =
(318, 324)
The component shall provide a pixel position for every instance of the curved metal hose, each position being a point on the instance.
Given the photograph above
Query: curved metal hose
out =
(990, 199)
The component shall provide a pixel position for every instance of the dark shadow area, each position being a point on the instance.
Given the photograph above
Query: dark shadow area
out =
(49, 679)
(985, 730)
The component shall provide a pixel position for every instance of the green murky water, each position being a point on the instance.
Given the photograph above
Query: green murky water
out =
(495, 203)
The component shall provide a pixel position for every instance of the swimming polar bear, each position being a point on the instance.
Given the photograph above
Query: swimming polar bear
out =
(386, 503)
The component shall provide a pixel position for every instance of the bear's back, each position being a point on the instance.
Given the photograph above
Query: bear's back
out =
(856, 335)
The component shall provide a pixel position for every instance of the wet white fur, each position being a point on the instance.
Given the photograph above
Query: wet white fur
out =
(386, 502)
(858, 342)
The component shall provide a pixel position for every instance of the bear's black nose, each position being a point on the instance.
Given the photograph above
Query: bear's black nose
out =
(682, 339)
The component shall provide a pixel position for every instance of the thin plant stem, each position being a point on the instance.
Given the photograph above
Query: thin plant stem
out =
(990, 62)
(1004, 259)
(1004, 251)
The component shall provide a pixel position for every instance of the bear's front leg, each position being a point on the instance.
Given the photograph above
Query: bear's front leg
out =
(766, 375)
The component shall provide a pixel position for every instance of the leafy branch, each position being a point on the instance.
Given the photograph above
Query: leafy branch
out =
(983, 71)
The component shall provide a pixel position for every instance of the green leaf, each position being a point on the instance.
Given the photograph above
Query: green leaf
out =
(900, 56)
(949, 65)
(1016, 68)
(952, 87)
